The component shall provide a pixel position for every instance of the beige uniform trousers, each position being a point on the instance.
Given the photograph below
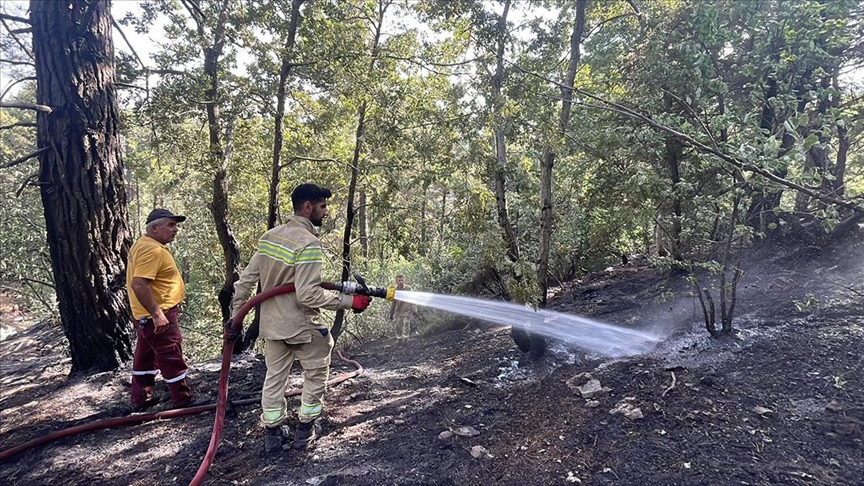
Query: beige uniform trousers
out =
(312, 349)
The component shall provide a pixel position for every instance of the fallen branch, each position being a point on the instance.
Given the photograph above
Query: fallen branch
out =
(670, 387)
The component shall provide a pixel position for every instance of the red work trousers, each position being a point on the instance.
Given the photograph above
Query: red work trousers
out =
(156, 353)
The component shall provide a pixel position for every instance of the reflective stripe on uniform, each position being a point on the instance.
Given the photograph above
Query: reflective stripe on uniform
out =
(310, 254)
(277, 252)
(273, 416)
(143, 373)
(310, 411)
(177, 378)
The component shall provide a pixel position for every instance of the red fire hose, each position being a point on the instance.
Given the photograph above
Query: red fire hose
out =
(220, 406)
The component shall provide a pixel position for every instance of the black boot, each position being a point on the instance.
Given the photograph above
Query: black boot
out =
(306, 433)
(273, 438)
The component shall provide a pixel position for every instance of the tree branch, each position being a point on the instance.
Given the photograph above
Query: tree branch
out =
(14, 18)
(13, 83)
(18, 124)
(27, 106)
(23, 159)
(12, 34)
(18, 63)
(24, 184)
(735, 161)
(129, 44)
(310, 159)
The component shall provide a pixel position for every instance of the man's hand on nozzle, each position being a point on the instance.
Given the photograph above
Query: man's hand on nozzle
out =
(361, 302)
(230, 333)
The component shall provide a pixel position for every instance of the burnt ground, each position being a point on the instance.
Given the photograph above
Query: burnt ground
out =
(781, 402)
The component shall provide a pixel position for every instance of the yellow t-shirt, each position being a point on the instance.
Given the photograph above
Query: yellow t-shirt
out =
(151, 260)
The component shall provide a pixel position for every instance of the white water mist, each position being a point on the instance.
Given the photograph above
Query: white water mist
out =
(581, 332)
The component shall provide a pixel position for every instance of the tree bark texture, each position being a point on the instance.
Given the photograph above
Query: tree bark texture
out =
(81, 178)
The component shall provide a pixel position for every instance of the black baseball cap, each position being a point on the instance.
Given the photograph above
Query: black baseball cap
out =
(164, 213)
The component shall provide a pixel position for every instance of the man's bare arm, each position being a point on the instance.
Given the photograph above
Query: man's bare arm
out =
(141, 287)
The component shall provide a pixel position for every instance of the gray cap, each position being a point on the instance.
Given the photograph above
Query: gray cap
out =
(164, 213)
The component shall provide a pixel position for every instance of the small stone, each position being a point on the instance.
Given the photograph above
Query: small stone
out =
(445, 435)
(592, 404)
(572, 479)
(479, 451)
(762, 410)
(591, 389)
(833, 406)
(399, 422)
(576, 381)
(466, 431)
(626, 408)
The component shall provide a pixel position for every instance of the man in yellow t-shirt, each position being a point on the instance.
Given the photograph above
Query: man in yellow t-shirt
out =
(155, 289)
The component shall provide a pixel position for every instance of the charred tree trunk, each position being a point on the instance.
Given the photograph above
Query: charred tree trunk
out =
(359, 134)
(672, 158)
(278, 135)
(524, 340)
(500, 143)
(839, 169)
(548, 159)
(278, 139)
(81, 178)
(220, 153)
(364, 225)
(349, 214)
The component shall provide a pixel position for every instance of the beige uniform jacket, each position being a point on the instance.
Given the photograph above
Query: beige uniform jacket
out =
(290, 253)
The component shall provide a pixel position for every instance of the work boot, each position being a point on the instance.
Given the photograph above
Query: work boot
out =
(273, 439)
(140, 407)
(193, 401)
(306, 433)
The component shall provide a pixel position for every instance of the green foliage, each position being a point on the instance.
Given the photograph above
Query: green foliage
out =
(25, 264)
(761, 81)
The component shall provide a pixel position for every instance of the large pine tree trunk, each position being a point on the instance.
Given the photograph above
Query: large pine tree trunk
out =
(81, 178)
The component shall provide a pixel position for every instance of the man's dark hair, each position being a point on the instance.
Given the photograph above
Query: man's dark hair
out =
(308, 192)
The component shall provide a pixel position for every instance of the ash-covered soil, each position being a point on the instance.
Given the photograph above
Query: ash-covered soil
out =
(780, 402)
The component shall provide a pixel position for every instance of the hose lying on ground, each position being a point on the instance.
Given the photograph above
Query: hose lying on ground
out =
(220, 406)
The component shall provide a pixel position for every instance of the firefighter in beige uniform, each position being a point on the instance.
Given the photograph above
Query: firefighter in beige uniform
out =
(290, 323)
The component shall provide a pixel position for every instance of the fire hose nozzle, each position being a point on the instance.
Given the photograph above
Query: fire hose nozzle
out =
(352, 288)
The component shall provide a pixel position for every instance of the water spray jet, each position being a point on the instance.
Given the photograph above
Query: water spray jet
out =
(587, 334)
